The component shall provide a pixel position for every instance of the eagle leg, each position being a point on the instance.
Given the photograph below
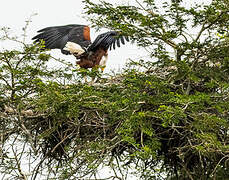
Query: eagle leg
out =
(103, 62)
(85, 79)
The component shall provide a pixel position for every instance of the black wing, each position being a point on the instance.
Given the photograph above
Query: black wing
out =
(58, 36)
(108, 40)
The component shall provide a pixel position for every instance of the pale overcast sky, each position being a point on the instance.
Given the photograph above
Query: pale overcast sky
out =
(13, 14)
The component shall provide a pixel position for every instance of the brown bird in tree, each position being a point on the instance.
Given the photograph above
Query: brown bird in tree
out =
(75, 39)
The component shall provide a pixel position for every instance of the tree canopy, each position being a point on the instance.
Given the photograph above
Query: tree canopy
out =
(157, 119)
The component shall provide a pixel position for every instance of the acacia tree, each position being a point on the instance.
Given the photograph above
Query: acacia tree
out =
(167, 120)
(194, 103)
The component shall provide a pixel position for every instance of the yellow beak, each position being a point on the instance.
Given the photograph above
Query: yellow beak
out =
(102, 68)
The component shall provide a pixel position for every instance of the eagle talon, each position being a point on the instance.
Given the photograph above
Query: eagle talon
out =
(102, 68)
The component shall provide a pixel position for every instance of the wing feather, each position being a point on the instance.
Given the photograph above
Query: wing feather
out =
(118, 42)
(127, 38)
(107, 40)
(114, 42)
(58, 36)
(110, 41)
(122, 40)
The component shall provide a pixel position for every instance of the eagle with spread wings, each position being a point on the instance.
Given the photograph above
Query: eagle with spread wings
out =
(75, 39)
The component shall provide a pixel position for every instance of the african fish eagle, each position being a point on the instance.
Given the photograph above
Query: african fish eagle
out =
(75, 39)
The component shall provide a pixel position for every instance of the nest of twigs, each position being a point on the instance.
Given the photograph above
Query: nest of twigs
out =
(61, 137)
(58, 134)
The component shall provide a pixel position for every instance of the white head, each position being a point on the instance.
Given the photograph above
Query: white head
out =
(74, 48)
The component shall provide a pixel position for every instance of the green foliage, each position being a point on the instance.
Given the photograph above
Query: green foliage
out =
(167, 120)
